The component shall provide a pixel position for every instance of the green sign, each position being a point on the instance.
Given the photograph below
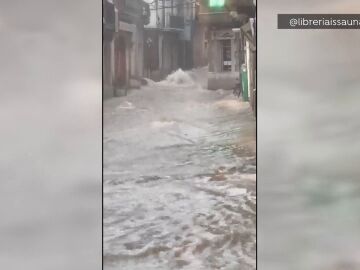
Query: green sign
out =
(216, 3)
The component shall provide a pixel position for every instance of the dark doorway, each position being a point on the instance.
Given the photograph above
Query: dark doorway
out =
(120, 62)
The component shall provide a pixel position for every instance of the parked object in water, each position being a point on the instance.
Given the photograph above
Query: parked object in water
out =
(237, 90)
(244, 82)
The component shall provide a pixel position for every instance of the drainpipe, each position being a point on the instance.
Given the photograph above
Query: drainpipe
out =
(163, 13)
(156, 13)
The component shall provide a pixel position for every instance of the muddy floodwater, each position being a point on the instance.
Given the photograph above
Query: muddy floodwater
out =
(179, 178)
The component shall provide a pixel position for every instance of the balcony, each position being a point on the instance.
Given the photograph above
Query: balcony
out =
(134, 11)
(176, 22)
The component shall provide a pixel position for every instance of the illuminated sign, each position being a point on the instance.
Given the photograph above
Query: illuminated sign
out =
(216, 3)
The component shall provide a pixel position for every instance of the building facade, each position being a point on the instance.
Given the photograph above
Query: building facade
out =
(168, 37)
(220, 42)
(123, 53)
(109, 25)
(248, 34)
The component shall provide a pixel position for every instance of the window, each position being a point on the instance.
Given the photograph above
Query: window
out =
(226, 55)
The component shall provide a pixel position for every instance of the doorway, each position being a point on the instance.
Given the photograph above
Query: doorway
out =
(120, 63)
(226, 55)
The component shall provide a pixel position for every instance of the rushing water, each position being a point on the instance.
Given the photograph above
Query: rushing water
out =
(179, 178)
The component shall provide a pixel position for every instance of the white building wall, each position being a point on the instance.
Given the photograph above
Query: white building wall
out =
(248, 68)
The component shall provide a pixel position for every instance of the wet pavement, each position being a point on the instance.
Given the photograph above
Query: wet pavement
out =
(179, 178)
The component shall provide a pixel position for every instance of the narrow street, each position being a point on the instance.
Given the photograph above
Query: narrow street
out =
(179, 178)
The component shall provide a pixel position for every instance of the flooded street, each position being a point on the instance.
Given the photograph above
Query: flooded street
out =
(179, 178)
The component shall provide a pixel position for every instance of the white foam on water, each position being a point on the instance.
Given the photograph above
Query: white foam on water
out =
(220, 91)
(126, 106)
(150, 82)
(236, 192)
(232, 105)
(161, 124)
(178, 78)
